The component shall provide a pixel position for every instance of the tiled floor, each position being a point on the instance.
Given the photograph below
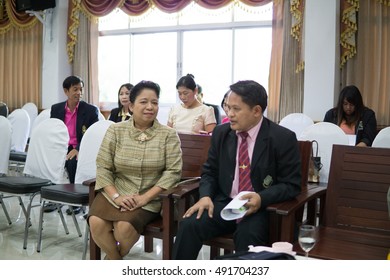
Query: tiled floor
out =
(56, 245)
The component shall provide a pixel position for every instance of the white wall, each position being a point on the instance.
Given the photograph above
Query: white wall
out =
(321, 57)
(55, 66)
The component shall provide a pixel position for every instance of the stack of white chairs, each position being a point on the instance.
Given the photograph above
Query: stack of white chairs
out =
(296, 122)
(5, 148)
(326, 134)
(5, 144)
(382, 139)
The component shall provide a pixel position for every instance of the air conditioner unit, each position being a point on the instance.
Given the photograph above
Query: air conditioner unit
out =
(34, 5)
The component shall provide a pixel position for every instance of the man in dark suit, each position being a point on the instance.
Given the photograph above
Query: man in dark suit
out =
(77, 116)
(273, 166)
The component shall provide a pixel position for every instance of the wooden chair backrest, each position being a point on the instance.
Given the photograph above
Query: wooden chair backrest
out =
(195, 149)
(305, 153)
(358, 183)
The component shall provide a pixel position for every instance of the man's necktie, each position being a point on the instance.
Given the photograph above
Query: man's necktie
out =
(244, 167)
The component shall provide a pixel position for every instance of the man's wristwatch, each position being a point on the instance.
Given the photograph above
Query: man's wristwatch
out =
(115, 196)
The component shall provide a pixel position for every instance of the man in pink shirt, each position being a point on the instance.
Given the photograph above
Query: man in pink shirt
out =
(77, 116)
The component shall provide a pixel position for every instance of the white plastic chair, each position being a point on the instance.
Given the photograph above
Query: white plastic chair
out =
(44, 115)
(326, 134)
(20, 122)
(76, 194)
(89, 148)
(5, 148)
(5, 144)
(86, 167)
(382, 139)
(44, 163)
(296, 122)
(48, 149)
(32, 111)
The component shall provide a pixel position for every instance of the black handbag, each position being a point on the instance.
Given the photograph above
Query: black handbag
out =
(315, 165)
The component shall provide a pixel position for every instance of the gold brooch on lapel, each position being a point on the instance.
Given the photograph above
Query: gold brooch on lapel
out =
(143, 137)
(267, 181)
(83, 129)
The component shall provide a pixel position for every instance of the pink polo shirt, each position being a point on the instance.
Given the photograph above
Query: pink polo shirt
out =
(252, 135)
(70, 122)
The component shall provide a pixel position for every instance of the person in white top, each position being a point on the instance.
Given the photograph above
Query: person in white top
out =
(191, 116)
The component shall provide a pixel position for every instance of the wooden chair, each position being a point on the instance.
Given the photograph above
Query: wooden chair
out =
(356, 223)
(194, 151)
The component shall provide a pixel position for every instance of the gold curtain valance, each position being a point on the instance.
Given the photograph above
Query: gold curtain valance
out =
(10, 17)
(93, 9)
(348, 26)
(297, 30)
(384, 2)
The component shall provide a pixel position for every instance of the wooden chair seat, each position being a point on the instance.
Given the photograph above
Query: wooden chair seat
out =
(340, 244)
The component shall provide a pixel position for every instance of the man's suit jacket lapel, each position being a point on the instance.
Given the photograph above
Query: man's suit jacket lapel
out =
(80, 121)
(61, 111)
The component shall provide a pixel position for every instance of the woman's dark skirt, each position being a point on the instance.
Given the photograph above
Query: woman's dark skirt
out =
(103, 209)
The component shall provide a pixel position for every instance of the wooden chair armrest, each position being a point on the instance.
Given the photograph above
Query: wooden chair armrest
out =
(182, 196)
(288, 207)
(312, 191)
(284, 215)
(186, 188)
(91, 184)
(179, 188)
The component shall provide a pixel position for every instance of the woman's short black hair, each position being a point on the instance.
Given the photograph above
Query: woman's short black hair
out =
(136, 90)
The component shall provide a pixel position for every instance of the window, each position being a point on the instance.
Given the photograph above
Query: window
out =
(219, 47)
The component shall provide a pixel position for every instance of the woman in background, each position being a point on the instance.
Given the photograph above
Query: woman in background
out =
(191, 116)
(137, 160)
(122, 112)
(353, 117)
(225, 108)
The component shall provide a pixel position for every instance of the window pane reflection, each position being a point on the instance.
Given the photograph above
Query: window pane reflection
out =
(154, 58)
